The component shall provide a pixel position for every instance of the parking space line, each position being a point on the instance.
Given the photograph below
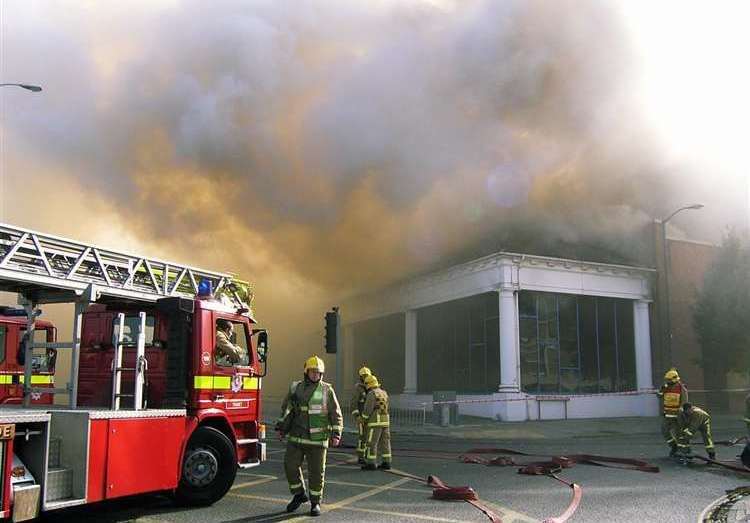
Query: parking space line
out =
(368, 494)
(253, 475)
(404, 515)
(251, 483)
(366, 485)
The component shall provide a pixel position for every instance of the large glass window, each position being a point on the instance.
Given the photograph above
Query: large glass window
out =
(575, 344)
(458, 345)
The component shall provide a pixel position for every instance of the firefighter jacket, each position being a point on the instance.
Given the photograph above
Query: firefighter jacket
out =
(689, 424)
(226, 349)
(375, 411)
(358, 399)
(673, 395)
(310, 413)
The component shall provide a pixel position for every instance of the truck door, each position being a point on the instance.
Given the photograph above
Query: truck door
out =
(234, 387)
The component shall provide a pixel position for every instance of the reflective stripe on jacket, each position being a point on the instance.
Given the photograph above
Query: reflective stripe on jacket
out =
(310, 413)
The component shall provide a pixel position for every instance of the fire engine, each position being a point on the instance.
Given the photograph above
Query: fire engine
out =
(12, 340)
(152, 406)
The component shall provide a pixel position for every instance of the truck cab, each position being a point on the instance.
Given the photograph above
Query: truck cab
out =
(12, 336)
(183, 367)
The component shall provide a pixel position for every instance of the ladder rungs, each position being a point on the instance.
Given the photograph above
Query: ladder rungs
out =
(125, 395)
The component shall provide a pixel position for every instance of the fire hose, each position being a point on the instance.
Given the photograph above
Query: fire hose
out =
(550, 468)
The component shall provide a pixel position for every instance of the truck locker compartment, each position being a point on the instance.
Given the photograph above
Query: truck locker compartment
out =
(133, 452)
(67, 457)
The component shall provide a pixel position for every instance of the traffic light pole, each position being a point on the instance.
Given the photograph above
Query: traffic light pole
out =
(339, 355)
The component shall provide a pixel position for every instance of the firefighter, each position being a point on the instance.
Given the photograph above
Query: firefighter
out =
(357, 404)
(310, 417)
(745, 456)
(377, 426)
(691, 420)
(227, 353)
(673, 393)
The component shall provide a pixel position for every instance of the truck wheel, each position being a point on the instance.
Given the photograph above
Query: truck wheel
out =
(208, 468)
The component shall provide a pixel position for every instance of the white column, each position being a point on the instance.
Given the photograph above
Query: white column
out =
(410, 353)
(509, 351)
(350, 372)
(642, 335)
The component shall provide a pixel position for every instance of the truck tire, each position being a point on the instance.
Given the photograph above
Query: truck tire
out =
(208, 468)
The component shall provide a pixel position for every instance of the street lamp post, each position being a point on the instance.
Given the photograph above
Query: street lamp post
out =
(665, 247)
(32, 88)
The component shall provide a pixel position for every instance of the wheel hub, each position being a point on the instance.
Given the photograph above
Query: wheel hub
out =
(201, 467)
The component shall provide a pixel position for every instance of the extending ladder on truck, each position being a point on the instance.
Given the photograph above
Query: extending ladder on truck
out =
(43, 268)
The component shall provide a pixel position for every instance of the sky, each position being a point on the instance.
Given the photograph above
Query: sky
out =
(321, 149)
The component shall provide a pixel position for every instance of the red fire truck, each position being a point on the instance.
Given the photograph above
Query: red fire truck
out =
(151, 405)
(12, 339)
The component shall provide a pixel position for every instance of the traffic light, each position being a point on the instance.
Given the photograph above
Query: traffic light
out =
(332, 323)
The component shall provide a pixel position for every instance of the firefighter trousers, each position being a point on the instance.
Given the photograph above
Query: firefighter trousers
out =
(683, 441)
(361, 439)
(669, 430)
(316, 469)
(378, 444)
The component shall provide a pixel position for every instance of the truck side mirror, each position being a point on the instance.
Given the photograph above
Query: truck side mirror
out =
(263, 346)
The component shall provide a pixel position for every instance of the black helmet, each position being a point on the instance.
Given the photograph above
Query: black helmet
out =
(687, 407)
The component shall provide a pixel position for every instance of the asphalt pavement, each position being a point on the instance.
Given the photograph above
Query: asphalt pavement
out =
(677, 493)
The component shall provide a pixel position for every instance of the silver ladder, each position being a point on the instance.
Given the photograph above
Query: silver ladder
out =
(141, 364)
(43, 268)
(33, 260)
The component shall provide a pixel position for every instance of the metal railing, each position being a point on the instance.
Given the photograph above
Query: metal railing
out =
(417, 415)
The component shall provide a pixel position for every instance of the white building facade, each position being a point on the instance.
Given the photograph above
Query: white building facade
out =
(517, 337)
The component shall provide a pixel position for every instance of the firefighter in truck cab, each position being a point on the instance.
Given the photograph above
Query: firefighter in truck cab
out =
(227, 353)
(310, 417)
(674, 394)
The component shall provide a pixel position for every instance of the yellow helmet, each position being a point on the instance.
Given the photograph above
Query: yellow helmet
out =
(313, 362)
(671, 375)
(364, 372)
(371, 382)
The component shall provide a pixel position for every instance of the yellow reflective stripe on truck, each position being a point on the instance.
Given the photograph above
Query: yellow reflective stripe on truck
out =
(251, 383)
(224, 382)
(36, 379)
(212, 382)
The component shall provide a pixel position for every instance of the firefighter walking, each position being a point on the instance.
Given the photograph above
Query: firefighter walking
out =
(377, 426)
(310, 416)
(673, 393)
(357, 405)
(691, 420)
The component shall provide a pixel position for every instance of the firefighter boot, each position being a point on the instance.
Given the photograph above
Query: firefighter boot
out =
(386, 465)
(711, 455)
(369, 466)
(315, 509)
(297, 500)
(672, 450)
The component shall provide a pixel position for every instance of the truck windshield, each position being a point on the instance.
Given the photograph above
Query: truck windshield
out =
(232, 351)
(42, 360)
(130, 331)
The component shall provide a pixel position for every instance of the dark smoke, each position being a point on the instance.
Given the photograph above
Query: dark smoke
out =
(324, 148)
